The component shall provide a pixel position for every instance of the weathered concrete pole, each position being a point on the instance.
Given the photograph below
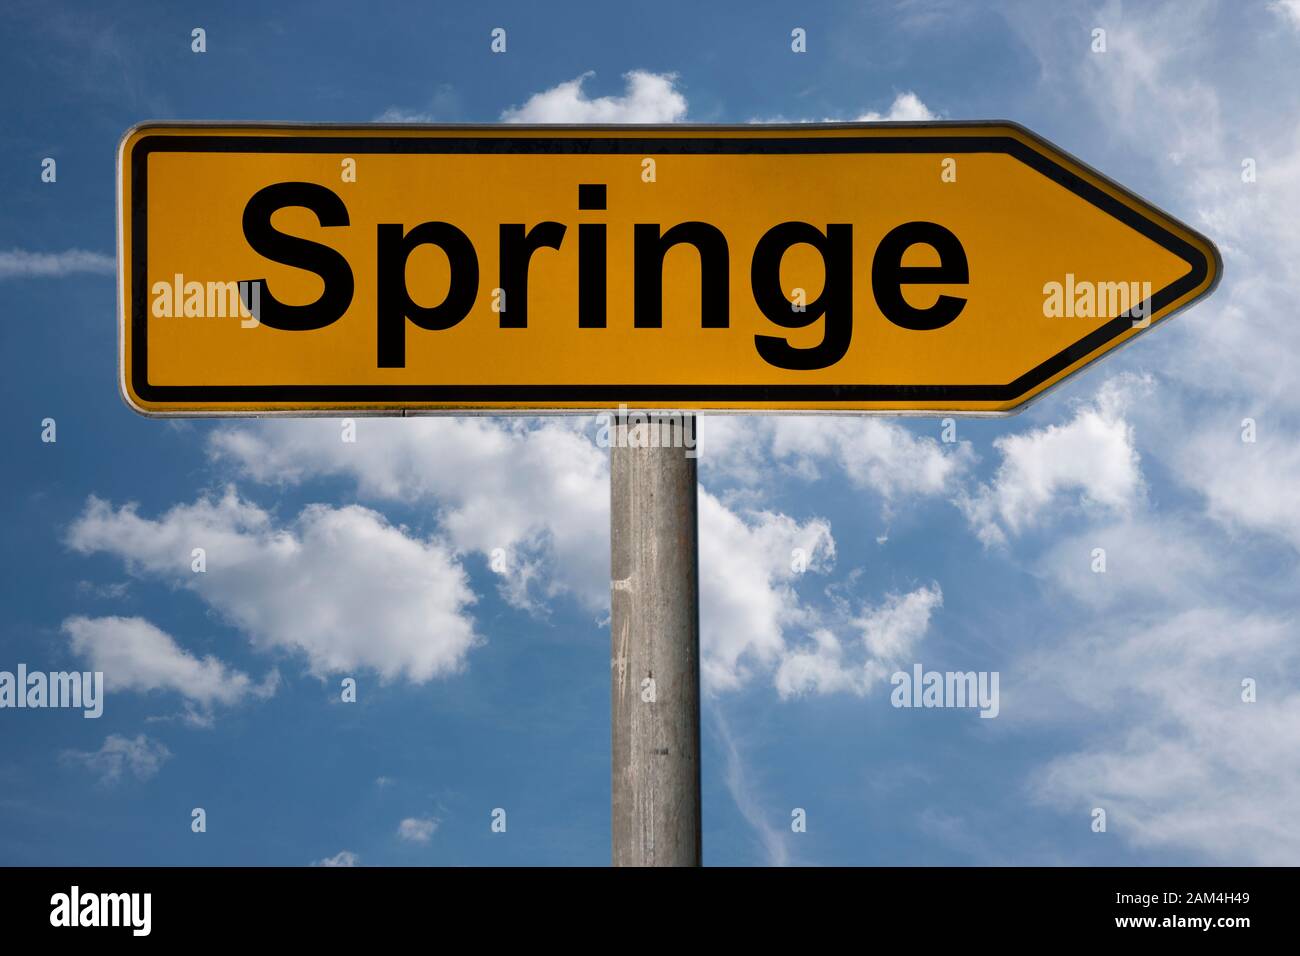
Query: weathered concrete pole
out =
(655, 643)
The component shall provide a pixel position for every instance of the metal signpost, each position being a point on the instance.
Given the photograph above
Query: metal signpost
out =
(935, 268)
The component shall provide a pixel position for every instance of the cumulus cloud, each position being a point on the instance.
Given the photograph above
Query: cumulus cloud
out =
(1091, 460)
(140, 757)
(443, 106)
(884, 457)
(540, 495)
(22, 264)
(341, 858)
(417, 829)
(648, 98)
(339, 585)
(885, 637)
(1146, 669)
(907, 107)
(748, 599)
(872, 453)
(134, 655)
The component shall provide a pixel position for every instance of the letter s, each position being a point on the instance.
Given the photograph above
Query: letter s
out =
(327, 263)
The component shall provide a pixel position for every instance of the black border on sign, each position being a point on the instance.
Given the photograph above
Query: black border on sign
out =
(612, 394)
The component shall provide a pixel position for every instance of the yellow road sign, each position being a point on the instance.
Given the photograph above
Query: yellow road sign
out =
(936, 268)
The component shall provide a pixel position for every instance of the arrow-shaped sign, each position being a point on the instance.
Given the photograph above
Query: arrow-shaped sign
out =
(941, 268)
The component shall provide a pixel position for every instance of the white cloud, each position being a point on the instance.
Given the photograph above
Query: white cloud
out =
(341, 858)
(886, 637)
(648, 98)
(416, 829)
(1168, 747)
(1145, 668)
(397, 114)
(1288, 10)
(140, 757)
(1233, 354)
(1173, 754)
(540, 494)
(444, 105)
(892, 630)
(882, 456)
(818, 667)
(21, 264)
(1248, 486)
(747, 594)
(1171, 60)
(1092, 457)
(907, 107)
(1148, 558)
(875, 454)
(339, 585)
(136, 655)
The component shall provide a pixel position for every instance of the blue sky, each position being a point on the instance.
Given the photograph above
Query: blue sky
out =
(479, 690)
